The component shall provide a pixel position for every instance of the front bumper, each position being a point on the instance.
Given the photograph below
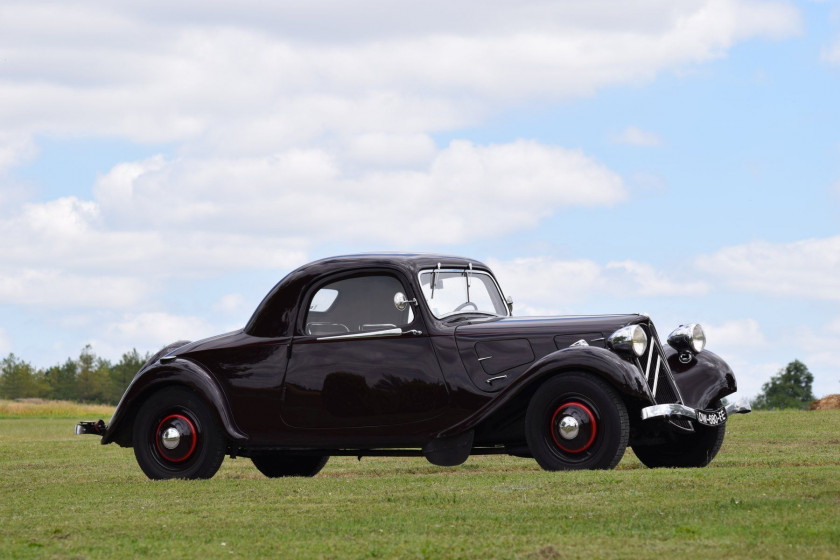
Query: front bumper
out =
(680, 410)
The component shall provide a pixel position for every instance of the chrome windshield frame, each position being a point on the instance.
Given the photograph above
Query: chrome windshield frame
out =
(467, 271)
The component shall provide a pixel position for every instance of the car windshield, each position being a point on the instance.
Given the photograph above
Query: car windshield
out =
(451, 292)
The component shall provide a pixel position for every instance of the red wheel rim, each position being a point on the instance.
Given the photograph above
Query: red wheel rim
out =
(584, 435)
(182, 448)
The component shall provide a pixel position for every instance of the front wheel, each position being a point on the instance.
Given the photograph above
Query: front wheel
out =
(576, 421)
(278, 465)
(176, 435)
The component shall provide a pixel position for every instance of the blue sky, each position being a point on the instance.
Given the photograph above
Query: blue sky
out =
(161, 168)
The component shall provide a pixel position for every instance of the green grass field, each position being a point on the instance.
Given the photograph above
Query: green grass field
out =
(773, 492)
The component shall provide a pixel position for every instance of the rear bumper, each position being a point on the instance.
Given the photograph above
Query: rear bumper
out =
(680, 410)
(89, 427)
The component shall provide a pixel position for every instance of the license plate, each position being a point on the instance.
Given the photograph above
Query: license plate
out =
(712, 417)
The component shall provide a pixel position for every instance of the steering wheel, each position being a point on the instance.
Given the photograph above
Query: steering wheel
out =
(466, 303)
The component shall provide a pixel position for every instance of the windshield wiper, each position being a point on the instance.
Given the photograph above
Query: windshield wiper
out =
(434, 279)
(467, 277)
(462, 315)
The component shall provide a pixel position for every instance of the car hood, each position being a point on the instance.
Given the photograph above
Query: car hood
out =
(561, 325)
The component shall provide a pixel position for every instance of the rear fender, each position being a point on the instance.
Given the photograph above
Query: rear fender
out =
(178, 372)
(706, 377)
(623, 376)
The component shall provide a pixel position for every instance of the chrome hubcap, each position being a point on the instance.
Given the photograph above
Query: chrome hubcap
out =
(171, 438)
(573, 427)
(569, 427)
(176, 438)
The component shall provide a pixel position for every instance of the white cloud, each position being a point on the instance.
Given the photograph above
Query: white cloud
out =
(117, 186)
(57, 288)
(154, 330)
(645, 281)
(633, 136)
(69, 235)
(392, 150)
(807, 269)
(291, 124)
(831, 53)
(477, 191)
(546, 285)
(157, 219)
(735, 335)
(230, 304)
(288, 74)
(14, 149)
(60, 253)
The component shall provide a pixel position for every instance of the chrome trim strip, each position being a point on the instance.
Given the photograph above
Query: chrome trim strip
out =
(670, 409)
(649, 361)
(485, 358)
(386, 332)
(492, 379)
(656, 375)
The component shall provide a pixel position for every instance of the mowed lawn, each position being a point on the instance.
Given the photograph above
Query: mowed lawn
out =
(772, 492)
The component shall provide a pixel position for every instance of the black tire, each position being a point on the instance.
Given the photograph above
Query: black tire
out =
(277, 464)
(602, 426)
(685, 451)
(198, 441)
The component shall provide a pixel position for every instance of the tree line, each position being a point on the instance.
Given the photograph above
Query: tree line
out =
(88, 378)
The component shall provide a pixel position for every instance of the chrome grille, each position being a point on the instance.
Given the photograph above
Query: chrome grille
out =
(654, 367)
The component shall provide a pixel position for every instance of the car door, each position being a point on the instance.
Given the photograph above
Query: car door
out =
(358, 362)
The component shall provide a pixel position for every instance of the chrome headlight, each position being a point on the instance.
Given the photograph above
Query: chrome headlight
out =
(688, 337)
(631, 338)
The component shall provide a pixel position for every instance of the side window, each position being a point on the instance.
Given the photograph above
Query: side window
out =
(357, 305)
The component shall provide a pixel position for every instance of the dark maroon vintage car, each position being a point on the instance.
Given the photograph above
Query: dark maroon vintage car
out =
(419, 355)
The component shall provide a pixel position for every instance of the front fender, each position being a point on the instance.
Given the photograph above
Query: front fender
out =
(705, 378)
(178, 372)
(621, 375)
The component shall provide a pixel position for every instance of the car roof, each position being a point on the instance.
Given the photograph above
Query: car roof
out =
(411, 261)
(274, 316)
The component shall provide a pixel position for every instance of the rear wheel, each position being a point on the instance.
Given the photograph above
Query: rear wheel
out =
(576, 421)
(176, 435)
(278, 465)
(685, 451)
